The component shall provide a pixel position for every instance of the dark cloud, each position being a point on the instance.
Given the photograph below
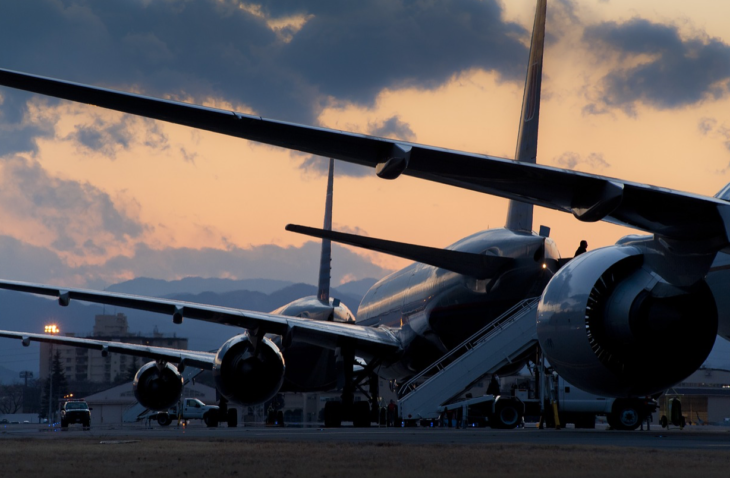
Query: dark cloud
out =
(25, 262)
(706, 125)
(211, 48)
(17, 133)
(299, 264)
(570, 160)
(720, 131)
(677, 72)
(393, 128)
(71, 210)
(188, 156)
(22, 261)
(108, 136)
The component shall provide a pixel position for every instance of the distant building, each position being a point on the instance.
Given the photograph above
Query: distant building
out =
(85, 364)
(705, 397)
(116, 405)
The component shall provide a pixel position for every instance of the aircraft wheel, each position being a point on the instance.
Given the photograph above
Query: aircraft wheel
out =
(232, 418)
(361, 414)
(506, 417)
(333, 414)
(164, 419)
(625, 415)
(210, 419)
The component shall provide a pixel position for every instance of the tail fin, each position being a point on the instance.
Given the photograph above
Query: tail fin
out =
(325, 261)
(519, 215)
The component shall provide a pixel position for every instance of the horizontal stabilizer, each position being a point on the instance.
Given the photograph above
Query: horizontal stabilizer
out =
(479, 266)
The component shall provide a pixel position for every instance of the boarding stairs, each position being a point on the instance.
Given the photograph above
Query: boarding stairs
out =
(498, 344)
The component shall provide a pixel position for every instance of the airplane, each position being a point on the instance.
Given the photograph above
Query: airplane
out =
(308, 368)
(625, 320)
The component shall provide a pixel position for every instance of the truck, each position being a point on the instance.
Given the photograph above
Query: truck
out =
(75, 411)
(188, 409)
(573, 405)
(581, 408)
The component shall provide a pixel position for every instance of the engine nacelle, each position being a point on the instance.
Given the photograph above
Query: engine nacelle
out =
(158, 386)
(246, 374)
(611, 326)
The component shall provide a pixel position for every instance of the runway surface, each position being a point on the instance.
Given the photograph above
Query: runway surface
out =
(706, 438)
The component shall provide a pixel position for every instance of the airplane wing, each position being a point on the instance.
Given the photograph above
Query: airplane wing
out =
(202, 360)
(669, 213)
(368, 341)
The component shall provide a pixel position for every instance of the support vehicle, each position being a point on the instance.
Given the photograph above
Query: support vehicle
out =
(189, 409)
(75, 411)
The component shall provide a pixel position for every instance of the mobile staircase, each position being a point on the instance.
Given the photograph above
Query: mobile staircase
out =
(498, 344)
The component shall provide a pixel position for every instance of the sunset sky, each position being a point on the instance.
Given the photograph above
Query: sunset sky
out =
(89, 197)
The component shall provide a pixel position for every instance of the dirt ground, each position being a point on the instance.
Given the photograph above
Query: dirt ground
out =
(160, 458)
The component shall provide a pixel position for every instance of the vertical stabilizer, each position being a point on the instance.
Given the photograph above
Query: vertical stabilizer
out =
(325, 262)
(519, 215)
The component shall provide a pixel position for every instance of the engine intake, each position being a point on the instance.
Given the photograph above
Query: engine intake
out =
(247, 374)
(158, 386)
(612, 327)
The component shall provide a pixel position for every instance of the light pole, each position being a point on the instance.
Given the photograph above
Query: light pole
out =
(52, 330)
(25, 374)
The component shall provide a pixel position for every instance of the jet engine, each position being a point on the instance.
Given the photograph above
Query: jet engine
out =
(246, 372)
(158, 386)
(612, 326)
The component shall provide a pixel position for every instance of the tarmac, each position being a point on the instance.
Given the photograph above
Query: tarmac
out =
(689, 438)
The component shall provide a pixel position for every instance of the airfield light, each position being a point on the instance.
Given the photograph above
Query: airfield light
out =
(544, 266)
(53, 330)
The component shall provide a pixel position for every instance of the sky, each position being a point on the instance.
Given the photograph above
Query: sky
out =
(89, 197)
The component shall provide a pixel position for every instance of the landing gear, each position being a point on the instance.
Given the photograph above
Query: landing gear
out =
(361, 414)
(506, 416)
(211, 419)
(163, 419)
(232, 418)
(333, 414)
(625, 415)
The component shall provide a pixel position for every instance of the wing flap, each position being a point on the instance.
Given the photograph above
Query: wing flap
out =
(202, 360)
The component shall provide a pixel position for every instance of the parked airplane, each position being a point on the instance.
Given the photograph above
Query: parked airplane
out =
(630, 319)
(309, 368)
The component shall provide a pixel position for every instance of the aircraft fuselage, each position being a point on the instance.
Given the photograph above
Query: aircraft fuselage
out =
(434, 309)
(309, 367)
